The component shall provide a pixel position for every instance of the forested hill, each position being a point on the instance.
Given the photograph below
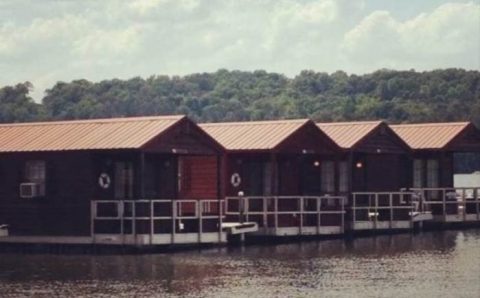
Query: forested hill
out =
(396, 96)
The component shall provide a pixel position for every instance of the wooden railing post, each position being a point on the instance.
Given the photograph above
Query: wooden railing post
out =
(152, 226)
(265, 209)
(376, 210)
(477, 200)
(319, 215)
(174, 220)
(276, 213)
(221, 206)
(199, 208)
(301, 202)
(354, 204)
(134, 221)
(390, 201)
(444, 196)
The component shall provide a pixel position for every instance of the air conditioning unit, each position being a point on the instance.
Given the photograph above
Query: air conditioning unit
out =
(29, 190)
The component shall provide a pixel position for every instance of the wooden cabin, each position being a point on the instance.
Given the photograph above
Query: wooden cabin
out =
(373, 168)
(437, 147)
(373, 157)
(146, 180)
(283, 171)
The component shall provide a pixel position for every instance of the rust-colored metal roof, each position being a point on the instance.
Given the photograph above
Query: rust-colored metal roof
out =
(254, 135)
(429, 135)
(115, 133)
(348, 134)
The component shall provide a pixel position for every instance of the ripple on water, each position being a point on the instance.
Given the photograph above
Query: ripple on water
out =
(437, 264)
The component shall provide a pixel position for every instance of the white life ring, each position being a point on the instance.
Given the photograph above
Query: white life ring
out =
(235, 180)
(104, 180)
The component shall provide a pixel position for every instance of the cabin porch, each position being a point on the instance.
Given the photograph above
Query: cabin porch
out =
(450, 205)
(157, 222)
(289, 215)
(384, 211)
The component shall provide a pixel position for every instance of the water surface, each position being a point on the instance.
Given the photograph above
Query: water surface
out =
(437, 264)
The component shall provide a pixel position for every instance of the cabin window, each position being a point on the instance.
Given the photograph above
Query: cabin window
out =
(343, 177)
(35, 172)
(123, 180)
(327, 176)
(432, 173)
(418, 173)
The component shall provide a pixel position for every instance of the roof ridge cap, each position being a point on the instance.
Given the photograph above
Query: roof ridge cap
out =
(99, 120)
(429, 124)
(262, 122)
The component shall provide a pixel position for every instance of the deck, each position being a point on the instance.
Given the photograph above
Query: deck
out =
(289, 215)
(384, 211)
(144, 223)
(450, 205)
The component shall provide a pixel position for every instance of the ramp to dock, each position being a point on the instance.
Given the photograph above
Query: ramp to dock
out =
(235, 228)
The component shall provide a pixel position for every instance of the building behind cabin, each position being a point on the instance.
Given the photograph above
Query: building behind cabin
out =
(435, 147)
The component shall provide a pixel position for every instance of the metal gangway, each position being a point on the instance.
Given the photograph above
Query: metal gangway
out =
(289, 215)
(385, 211)
(448, 205)
(157, 222)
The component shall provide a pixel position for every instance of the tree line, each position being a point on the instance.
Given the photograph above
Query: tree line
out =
(394, 96)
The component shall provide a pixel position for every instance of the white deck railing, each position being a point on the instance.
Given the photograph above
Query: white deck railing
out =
(154, 217)
(380, 210)
(458, 204)
(277, 212)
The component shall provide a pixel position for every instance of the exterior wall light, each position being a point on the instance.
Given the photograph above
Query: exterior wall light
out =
(359, 165)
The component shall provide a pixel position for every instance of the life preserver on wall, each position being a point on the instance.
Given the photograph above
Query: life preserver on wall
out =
(104, 180)
(235, 180)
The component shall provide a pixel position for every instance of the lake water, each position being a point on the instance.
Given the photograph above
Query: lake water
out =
(436, 264)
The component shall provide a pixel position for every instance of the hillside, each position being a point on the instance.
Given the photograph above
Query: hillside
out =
(396, 96)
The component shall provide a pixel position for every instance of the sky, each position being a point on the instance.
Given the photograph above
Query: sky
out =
(62, 40)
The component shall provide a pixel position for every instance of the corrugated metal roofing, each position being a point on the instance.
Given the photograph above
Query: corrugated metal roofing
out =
(429, 135)
(115, 133)
(348, 134)
(255, 135)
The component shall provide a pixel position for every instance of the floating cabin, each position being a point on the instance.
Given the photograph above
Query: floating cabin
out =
(165, 180)
(437, 147)
(125, 181)
(373, 168)
(281, 175)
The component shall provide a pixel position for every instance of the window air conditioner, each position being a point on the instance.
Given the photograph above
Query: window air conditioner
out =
(29, 190)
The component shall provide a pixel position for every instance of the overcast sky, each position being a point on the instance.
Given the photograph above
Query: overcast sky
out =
(53, 40)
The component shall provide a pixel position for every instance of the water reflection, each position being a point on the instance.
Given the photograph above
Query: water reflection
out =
(441, 264)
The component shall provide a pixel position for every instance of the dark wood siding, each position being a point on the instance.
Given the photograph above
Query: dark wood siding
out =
(382, 141)
(248, 166)
(380, 172)
(289, 176)
(65, 210)
(308, 140)
(184, 138)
